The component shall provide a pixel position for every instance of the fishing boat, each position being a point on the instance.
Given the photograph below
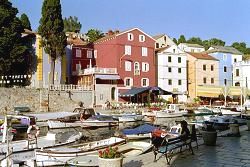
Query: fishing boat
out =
(59, 156)
(140, 132)
(128, 117)
(203, 111)
(84, 117)
(172, 111)
(87, 160)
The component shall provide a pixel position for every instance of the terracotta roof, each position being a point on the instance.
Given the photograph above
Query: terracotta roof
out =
(76, 41)
(158, 36)
(224, 49)
(193, 45)
(162, 48)
(202, 55)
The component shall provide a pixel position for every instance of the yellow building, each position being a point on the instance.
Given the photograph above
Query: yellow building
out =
(203, 70)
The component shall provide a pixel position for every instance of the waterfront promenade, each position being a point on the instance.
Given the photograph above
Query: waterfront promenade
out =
(228, 152)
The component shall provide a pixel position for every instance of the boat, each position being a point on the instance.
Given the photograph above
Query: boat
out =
(203, 111)
(83, 117)
(134, 148)
(172, 110)
(59, 156)
(128, 117)
(140, 132)
(87, 160)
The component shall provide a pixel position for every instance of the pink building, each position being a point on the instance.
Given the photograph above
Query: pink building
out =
(132, 54)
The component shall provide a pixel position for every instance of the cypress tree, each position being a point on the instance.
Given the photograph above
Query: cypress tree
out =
(51, 29)
(25, 21)
(12, 49)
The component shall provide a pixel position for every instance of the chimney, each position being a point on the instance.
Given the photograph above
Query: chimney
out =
(110, 32)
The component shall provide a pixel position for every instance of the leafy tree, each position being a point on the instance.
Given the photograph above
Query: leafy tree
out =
(213, 42)
(12, 48)
(182, 39)
(175, 41)
(195, 40)
(25, 21)
(71, 24)
(241, 46)
(51, 30)
(94, 35)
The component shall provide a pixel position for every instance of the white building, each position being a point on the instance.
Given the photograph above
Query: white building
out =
(241, 74)
(172, 71)
(162, 41)
(188, 47)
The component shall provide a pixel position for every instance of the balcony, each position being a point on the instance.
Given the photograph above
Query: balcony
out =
(97, 70)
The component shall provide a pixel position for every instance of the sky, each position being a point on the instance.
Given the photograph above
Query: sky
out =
(228, 20)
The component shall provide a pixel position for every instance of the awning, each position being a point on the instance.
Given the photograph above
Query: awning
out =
(107, 77)
(134, 91)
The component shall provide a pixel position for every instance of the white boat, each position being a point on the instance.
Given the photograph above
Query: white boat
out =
(59, 156)
(136, 148)
(139, 136)
(172, 110)
(203, 111)
(83, 118)
(128, 117)
(87, 160)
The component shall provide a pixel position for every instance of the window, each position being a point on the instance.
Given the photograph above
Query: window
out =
(235, 60)
(144, 82)
(157, 45)
(145, 67)
(225, 69)
(128, 66)
(89, 54)
(130, 37)
(179, 59)
(78, 53)
(204, 67)
(173, 50)
(127, 50)
(237, 72)
(169, 59)
(136, 68)
(204, 80)
(170, 82)
(212, 80)
(95, 53)
(179, 70)
(224, 57)
(142, 38)
(128, 82)
(179, 82)
(225, 81)
(212, 67)
(78, 66)
(144, 51)
(192, 50)
(169, 69)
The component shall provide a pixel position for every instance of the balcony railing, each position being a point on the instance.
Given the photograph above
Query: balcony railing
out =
(69, 87)
(97, 70)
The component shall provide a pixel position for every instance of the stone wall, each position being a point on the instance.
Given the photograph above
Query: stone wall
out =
(57, 101)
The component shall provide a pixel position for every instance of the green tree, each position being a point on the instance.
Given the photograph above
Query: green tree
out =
(94, 35)
(213, 42)
(72, 24)
(195, 40)
(51, 30)
(182, 39)
(25, 21)
(175, 41)
(240, 46)
(12, 48)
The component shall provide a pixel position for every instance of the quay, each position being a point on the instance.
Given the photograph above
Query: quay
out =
(228, 152)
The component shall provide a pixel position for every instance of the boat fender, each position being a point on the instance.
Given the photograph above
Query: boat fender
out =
(33, 127)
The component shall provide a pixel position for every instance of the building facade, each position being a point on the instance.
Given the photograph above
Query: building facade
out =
(163, 40)
(203, 70)
(131, 53)
(227, 56)
(172, 71)
(194, 48)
